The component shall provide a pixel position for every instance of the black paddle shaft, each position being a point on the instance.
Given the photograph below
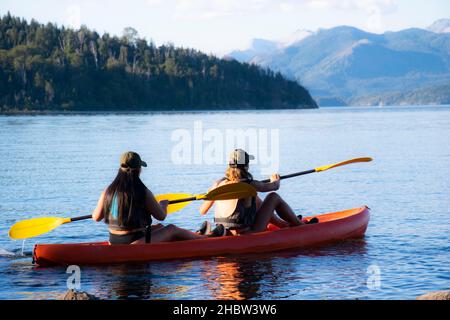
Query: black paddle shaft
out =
(81, 218)
(170, 202)
(293, 175)
(182, 200)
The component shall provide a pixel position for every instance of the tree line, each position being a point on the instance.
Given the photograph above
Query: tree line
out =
(46, 67)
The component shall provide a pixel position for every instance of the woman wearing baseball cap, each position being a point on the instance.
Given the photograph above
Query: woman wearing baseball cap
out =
(127, 206)
(251, 214)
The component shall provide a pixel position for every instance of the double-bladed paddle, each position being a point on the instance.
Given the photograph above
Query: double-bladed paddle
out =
(37, 226)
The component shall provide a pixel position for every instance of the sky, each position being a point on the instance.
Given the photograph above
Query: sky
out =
(219, 26)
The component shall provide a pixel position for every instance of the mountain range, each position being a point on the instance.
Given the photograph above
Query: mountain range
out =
(348, 66)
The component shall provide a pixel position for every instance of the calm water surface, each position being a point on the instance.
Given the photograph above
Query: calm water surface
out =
(58, 165)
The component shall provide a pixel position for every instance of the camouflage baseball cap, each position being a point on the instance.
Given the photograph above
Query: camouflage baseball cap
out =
(131, 160)
(239, 159)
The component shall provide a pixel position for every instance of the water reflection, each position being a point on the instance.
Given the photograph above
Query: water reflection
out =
(255, 276)
(141, 281)
(129, 282)
(236, 279)
(350, 247)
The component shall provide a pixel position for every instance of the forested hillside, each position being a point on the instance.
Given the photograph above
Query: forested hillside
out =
(46, 67)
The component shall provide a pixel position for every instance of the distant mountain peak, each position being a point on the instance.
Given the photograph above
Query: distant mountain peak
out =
(295, 37)
(263, 45)
(260, 47)
(257, 47)
(440, 26)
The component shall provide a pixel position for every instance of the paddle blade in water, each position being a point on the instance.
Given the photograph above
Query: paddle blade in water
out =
(35, 227)
(231, 191)
(357, 160)
(174, 196)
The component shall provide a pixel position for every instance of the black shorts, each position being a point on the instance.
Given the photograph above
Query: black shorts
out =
(239, 220)
(129, 238)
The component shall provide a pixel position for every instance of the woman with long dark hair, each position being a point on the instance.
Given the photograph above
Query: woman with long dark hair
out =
(127, 206)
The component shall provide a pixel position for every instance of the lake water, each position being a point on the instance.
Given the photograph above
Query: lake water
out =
(58, 165)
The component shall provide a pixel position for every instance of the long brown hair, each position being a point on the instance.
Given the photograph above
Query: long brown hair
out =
(238, 174)
(130, 192)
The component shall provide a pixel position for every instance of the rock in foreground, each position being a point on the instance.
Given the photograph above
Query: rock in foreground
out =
(78, 295)
(437, 295)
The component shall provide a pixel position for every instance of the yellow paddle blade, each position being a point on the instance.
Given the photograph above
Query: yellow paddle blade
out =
(319, 169)
(171, 208)
(35, 227)
(230, 191)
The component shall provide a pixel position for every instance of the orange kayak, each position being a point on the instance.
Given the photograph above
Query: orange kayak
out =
(333, 227)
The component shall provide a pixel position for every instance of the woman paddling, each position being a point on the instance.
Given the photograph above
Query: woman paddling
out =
(251, 214)
(127, 206)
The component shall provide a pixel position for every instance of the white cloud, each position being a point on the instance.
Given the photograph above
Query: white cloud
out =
(373, 9)
(351, 4)
(319, 4)
(203, 9)
(211, 9)
(154, 3)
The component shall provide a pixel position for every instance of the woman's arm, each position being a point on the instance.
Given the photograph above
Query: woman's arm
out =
(158, 210)
(273, 185)
(206, 205)
(98, 214)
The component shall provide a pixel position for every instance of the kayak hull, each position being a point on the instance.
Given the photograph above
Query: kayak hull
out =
(333, 227)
